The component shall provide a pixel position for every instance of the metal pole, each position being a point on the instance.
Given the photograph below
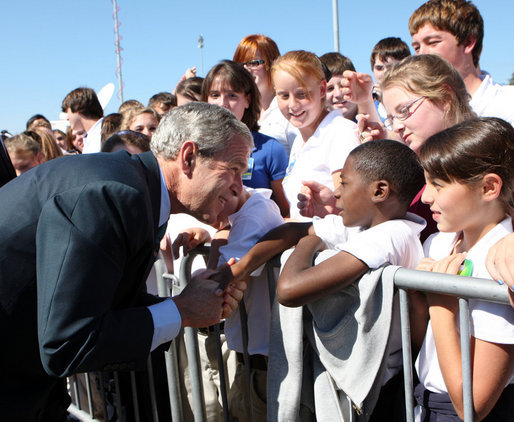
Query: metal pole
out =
(335, 18)
(118, 50)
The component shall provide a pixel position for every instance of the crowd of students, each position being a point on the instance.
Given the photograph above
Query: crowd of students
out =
(414, 170)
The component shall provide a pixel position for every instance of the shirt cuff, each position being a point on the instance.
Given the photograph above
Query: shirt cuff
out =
(166, 322)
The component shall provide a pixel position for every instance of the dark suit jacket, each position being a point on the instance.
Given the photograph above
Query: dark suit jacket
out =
(77, 242)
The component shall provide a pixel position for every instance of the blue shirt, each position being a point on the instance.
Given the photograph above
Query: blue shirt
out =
(268, 162)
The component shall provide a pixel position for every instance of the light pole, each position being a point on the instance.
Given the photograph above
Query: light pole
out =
(200, 46)
(118, 50)
(335, 19)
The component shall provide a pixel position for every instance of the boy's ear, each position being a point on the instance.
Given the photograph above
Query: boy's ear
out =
(491, 186)
(469, 44)
(380, 190)
(187, 156)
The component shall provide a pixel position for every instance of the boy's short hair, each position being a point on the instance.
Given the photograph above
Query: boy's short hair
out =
(84, 101)
(166, 98)
(391, 161)
(460, 18)
(337, 63)
(190, 88)
(38, 120)
(392, 47)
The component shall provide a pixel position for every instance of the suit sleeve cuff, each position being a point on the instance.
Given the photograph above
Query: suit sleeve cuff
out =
(166, 322)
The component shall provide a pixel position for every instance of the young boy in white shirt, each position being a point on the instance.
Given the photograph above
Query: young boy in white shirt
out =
(378, 182)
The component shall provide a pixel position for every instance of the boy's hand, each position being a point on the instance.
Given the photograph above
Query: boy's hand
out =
(190, 239)
(232, 296)
(232, 290)
(316, 199)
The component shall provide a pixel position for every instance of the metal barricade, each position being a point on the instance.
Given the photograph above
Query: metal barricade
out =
(464, 288)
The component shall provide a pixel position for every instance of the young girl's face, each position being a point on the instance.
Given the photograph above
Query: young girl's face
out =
(222, 94)
(145, 123)
(302, 106)
(455, 206)
(425, 118)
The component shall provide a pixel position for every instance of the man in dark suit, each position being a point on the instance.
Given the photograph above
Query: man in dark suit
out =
(79, 236)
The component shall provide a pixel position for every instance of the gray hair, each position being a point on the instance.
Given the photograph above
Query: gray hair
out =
(211, 127)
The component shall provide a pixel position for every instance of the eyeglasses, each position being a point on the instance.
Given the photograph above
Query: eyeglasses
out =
(252, 64)
(403, 112)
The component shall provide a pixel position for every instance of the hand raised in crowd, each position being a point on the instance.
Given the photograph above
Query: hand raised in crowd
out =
(316, 199)
(370, 130)
(357, 87)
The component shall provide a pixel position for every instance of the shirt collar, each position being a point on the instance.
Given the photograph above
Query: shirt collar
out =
(165, 211)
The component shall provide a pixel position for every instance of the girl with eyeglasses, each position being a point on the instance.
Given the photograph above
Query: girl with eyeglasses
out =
(422, 95)
(257, 53)
(325, 139)
(230, 85)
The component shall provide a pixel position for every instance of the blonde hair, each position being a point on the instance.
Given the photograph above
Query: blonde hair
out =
(130, 115)
(299, 64)
(436, 79)
(27, 141)
(49, 147)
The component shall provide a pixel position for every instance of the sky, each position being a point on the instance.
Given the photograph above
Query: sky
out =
(49, 48)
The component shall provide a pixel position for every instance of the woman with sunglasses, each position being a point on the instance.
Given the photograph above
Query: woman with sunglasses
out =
(257, 53)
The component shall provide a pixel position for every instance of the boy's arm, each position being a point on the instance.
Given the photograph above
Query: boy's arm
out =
(301, 283)
(220, 239)
(272, 243)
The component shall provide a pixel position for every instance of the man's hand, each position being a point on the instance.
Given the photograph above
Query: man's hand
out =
(201, 303)
(316, 199)
(232, 290)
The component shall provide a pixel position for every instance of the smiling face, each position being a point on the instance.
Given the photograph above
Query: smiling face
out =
(335, 100)
(145, 123)
(215, 182)
(302, 106)
(426, 118)
(353, 196)
(430, 40)
(222, 94)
